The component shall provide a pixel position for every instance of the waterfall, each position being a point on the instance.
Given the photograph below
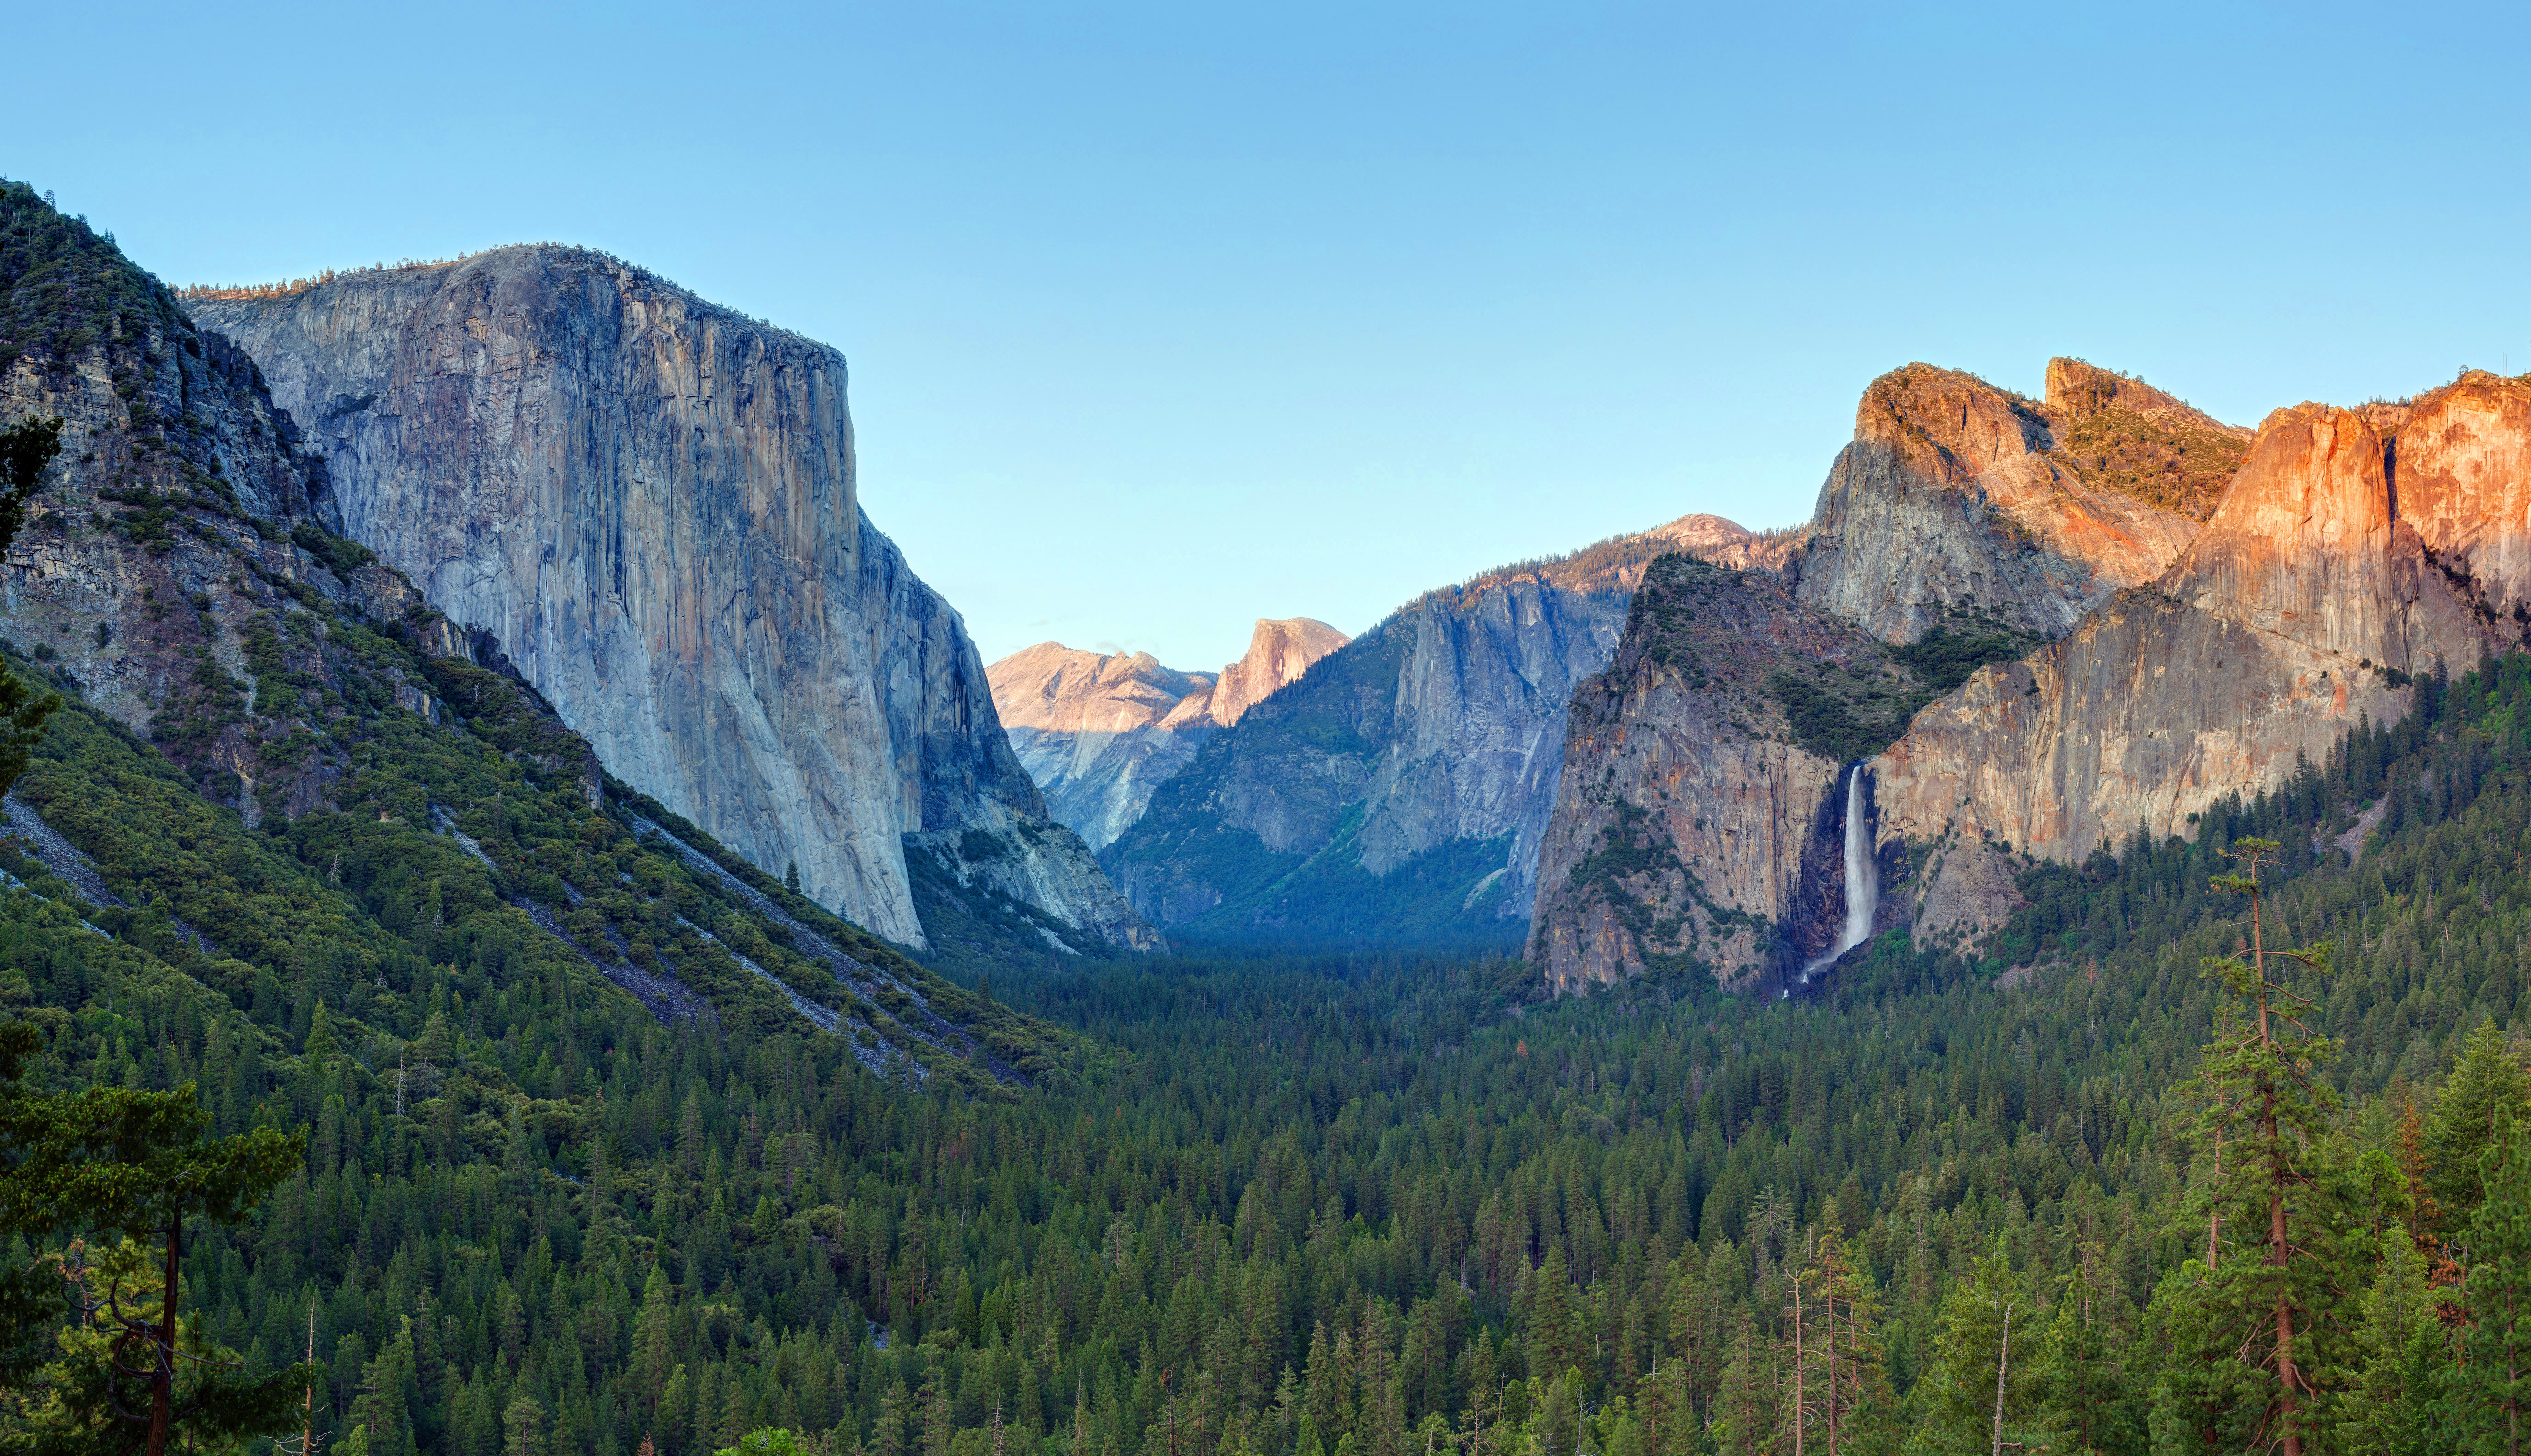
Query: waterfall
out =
(1862, 878)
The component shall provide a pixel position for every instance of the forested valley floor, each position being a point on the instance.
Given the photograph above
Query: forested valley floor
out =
(1364, 1203)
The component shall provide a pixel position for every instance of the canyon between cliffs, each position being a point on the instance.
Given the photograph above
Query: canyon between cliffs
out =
(2170, 612)
(2039, 625)
(646, 506)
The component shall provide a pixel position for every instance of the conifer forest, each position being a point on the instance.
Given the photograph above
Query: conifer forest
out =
(378, 1077)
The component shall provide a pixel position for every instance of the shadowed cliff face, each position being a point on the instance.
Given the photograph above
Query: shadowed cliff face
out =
(1403, 785)
(649, 503)
(1690, 832)
(1099, 733)
(1958, 495)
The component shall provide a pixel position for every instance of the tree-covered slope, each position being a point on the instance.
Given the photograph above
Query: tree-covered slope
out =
(1340, 1198)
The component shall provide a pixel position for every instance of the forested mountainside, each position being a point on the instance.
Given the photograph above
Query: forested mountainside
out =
(1387, 1205)
(1398, 791)
(255, 704)
(651, 504)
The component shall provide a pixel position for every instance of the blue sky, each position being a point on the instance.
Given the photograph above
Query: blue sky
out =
(1166, 317)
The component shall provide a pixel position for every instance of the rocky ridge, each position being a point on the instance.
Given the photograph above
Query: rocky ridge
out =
(2306, 603)
(1100, 732)
(1956, 494)
(649, 504)
(2344, 552)
(266, 726)
(1402, 786)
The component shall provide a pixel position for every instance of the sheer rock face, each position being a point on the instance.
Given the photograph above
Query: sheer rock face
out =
(1278, 653)
(2263, 643)
(650, 502)
(2464, 483)
(2349, 547)
(1690, 832)
(1955, 494)
(1440, 730)
(1099, 733)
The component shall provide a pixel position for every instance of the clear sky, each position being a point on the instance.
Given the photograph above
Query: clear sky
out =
(1166, 317)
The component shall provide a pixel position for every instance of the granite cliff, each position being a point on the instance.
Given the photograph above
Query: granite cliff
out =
(1691, 822)
(2335, 569)
(275, 758)
(1957, 495)
(1401, 787)
(2115, 612)
(647, 505)
(1100, 732)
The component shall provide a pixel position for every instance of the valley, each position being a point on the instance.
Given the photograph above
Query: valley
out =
(481, 781)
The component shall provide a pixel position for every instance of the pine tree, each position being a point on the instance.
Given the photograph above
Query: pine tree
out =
(2272, 1301)
(1851, 1397)
(136, 1164)
(1744, 1408)
(2088, 1402)
(1984, 1375)
(2486, 1083)
(887, 1433)
(939, 1427)
(2397, 1400)
(2492, 1385)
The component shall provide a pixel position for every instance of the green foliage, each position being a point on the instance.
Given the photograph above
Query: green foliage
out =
(2487, 1087)
(2397, 1401)
(64, 287)
(341, 554)
(1943, 658)
(2492, 1385)
(2178, 465)
(122, 1161)
(1845, 716)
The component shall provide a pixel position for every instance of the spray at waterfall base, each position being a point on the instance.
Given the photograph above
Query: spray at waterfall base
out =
(1862, 881)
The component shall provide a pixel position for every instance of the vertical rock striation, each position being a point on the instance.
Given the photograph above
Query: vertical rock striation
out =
(1402, 786)
(2303, 605)
(649, 503)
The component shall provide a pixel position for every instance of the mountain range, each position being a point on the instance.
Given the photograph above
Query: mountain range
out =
(2105, 616)
(2040, 627)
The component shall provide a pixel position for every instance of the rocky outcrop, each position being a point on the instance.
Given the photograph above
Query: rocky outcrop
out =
(2304, 604)
(649, 502)
(1278, 653)
(1100, 732)
(1402, 786)
(1087, 727)
(1959, 498)
(2350, 550)
(1692, 834)
(2462, 457)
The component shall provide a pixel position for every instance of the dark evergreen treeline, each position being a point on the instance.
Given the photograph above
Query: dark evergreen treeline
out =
(1364, 1203)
